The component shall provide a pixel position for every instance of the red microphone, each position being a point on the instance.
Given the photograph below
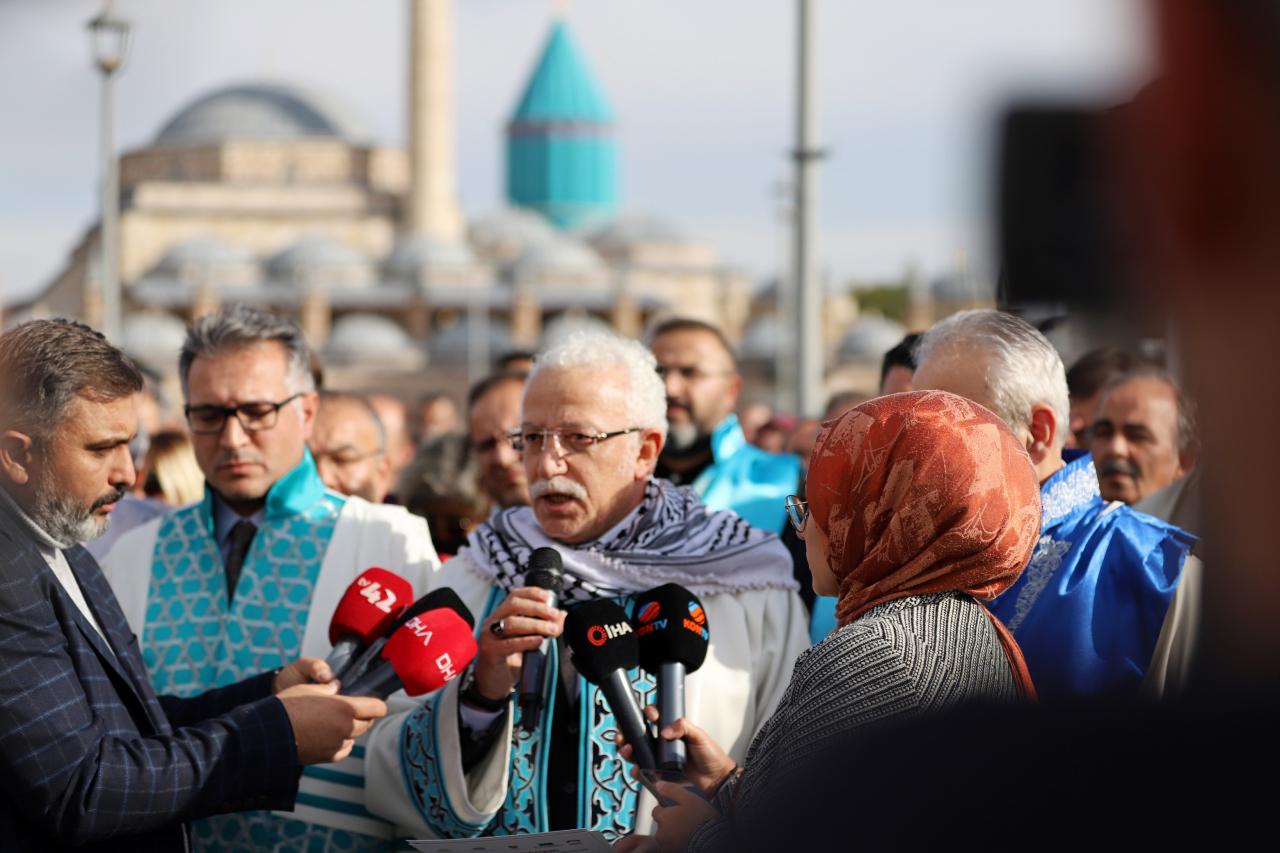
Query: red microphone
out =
(367, 609)
(423, 654)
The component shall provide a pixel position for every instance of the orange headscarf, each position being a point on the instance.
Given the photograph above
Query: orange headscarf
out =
(921, 493)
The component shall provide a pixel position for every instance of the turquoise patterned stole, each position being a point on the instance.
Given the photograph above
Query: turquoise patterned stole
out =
(607, 793)
(195, 640)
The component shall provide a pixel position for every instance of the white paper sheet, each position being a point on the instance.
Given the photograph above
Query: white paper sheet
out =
(568, 841)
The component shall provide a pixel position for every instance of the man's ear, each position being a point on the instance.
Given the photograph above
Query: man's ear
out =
(1042, 433)
(651, 442)
(17, 452)
(310, 403)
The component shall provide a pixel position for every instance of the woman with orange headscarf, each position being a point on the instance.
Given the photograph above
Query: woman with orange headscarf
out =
(921, 507)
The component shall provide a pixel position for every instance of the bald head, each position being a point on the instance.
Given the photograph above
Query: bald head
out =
(349, 447)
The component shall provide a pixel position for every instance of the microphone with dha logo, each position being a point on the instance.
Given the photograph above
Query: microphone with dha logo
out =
(437, 598)
(671, 629)
(423, 654)
(366, 611)
(604, 647)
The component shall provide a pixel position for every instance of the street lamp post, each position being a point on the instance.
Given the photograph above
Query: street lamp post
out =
(809, 341)
(109, 40)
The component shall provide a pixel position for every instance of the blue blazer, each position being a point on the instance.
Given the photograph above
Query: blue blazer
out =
(89, 755)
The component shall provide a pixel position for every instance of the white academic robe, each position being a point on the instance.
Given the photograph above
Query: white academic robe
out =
(756, 636)
(365, 535)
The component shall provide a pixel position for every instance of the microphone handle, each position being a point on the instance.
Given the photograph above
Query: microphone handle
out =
(381, 682)
(626, 711)
(670, 708)
(533, 677)
(347, 647)
(359, 665)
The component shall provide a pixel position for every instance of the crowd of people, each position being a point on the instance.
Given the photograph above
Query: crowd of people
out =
(974, 597)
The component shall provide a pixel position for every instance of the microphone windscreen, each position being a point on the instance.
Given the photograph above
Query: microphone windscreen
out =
(434, 600)
(545, 570)
(430, 650)
(601, 638)
(671, 627)
(370, 606)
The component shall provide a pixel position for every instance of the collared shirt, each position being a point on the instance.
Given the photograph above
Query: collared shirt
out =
(1089, 607)
(51, 549)
(225, 518)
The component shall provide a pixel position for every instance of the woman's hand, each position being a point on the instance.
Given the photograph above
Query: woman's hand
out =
(706, 764)
(677, 823)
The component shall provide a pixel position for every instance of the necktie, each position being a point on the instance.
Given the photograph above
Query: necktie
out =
(241, 538)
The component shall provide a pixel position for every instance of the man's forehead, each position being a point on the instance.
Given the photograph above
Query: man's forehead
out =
(1137, 400)
(586, 394)
(344, 418)
(688, 345)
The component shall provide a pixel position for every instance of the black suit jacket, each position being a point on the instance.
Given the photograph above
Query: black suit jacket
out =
(89, 755)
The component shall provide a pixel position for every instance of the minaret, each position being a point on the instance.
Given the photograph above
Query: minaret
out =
(432, 210)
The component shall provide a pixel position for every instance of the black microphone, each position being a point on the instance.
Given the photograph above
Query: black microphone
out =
(604, 647)
(545, 571)
(434, 600)
(671, 629)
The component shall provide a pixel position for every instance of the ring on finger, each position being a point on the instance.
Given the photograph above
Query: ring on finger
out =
(498, 628)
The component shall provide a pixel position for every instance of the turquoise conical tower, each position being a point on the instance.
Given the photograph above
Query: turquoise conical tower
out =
(561, 156)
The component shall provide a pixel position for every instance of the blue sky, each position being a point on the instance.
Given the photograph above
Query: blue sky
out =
(703, 91)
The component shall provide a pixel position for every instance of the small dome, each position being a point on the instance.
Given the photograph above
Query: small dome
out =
(627, 231)
(870, 338)
(505, 234)
(320, 261)
(420, 261)
(154, 338)
(763, 339)
(254, 111)
(560, 259)
(374, 340)
(453, 344)
(208, 261)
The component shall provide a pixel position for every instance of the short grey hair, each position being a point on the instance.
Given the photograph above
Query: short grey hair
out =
(1025, 369)
(646, 394)
(240, 325)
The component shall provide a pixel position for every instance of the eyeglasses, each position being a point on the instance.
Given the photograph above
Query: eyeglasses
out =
(533, 441)
(798, 513)
(689, 374)
(254, 417)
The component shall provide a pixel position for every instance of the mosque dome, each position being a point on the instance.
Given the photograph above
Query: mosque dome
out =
(453, 344)
(154, 338)
(208, 261)
(255, 111)
(870, 338)
(562, 259)
(422, 261)
(625, 232)
(505, 234)
(762, 339)
(320, 261)
(372, 339)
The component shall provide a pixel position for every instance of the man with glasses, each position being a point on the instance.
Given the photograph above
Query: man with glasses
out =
(484, 757)
(706, 447)
(350, 447)
(493, 411)
(249, 578)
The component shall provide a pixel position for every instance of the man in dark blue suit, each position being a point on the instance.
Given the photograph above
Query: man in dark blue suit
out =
(89, 755)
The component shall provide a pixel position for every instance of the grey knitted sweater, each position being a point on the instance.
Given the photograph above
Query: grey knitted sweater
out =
(910, 657)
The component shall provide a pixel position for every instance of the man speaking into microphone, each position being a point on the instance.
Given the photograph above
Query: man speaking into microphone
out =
(251, 576)
(469, 761)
